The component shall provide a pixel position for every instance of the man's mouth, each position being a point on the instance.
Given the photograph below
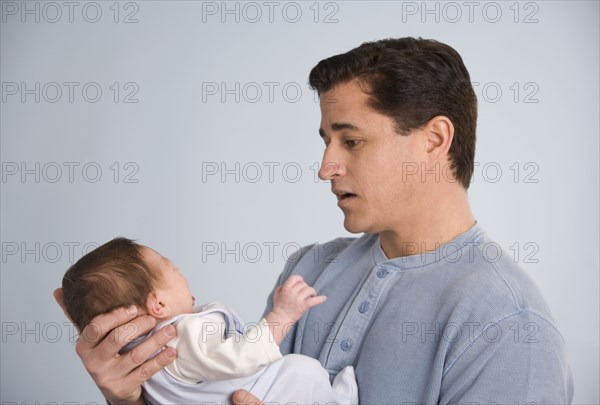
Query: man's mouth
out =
(343, 196)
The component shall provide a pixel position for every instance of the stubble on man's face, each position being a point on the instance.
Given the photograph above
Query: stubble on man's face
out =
(366, 161)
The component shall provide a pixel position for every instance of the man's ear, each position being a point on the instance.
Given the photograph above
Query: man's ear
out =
(156, 306)
(439, 132)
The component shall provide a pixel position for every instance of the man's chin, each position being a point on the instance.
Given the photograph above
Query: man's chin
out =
(353, 227)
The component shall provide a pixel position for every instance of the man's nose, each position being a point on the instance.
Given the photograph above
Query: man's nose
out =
(332, 166)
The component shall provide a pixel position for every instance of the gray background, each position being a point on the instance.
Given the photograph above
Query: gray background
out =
(80, 169)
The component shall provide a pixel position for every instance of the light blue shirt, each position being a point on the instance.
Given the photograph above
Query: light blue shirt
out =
(456, 325)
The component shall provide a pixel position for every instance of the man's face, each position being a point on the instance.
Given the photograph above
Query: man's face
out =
(173, 289)
(365, 159)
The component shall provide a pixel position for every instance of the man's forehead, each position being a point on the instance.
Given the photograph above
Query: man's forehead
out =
(352, 116)
(345, 114)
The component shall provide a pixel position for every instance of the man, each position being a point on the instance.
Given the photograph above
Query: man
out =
(417, 304)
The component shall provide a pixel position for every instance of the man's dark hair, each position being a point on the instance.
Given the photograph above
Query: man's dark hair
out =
(411, 81)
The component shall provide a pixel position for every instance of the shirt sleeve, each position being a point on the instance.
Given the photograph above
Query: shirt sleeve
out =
(518, 360)
(204, 354)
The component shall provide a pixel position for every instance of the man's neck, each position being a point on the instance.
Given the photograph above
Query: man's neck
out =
(437, 222)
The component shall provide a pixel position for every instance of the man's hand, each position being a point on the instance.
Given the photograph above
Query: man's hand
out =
(243, 397)
(290, 301)
(120, 378)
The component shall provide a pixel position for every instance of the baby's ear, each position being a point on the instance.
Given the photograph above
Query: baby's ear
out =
(155, 306)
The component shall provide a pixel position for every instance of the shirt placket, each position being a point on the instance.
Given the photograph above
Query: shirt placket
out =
(345, 338)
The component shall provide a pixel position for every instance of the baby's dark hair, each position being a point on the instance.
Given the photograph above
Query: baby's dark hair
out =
(111, 276)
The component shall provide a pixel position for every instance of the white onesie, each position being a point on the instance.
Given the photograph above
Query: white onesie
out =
(217, 355)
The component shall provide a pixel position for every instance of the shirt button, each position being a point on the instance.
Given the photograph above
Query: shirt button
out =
(381, 273)
(346, 345)
(364, 307)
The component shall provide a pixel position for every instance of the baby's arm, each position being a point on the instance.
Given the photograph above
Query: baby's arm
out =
(204, 354)
(290, 301)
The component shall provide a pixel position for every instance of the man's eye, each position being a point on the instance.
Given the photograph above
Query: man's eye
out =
(352, 143)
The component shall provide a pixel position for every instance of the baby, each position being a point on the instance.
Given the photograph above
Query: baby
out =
(216, 355)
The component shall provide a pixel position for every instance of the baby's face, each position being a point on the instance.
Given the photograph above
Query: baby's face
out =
(174, 290)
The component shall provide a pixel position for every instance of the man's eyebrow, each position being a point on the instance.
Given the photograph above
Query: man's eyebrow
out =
(338, 126)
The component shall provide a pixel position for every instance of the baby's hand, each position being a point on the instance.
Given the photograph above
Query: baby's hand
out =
(294, 297)
(290, 301)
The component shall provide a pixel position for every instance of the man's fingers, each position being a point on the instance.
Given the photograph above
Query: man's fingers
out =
(112, 331)
(147, 348)
(243, 397)
(312, 301)
(151, 367)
